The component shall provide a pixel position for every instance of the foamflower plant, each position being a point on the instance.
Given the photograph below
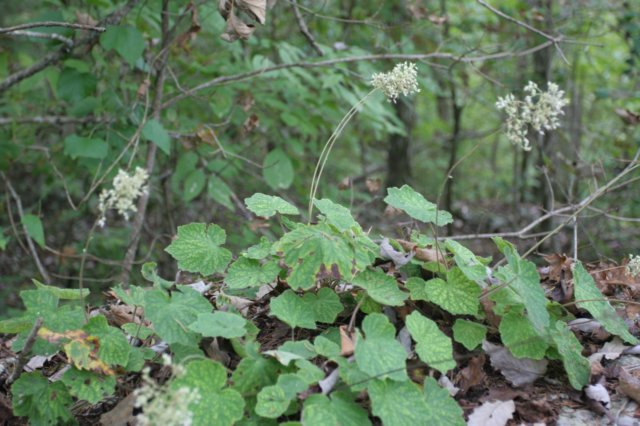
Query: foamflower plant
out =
(539, 109)
(402, 80)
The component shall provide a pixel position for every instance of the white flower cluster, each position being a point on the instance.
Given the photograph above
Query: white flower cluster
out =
(126, 189)
(401, 80)
(540, 110)
(633, 267)
(162, 404)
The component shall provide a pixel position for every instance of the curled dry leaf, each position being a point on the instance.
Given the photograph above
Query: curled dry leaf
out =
(398, 258)
(423, 254)
(347, 344)
(519, 371)
(236, 28)
(473, 374)
(629, 384)
(496, 413)
(611, 350)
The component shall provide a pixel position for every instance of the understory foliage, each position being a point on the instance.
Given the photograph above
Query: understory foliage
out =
(326, 282)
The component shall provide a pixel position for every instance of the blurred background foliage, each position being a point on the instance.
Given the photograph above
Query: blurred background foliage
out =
(66, 130)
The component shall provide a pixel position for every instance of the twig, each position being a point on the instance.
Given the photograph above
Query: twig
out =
(32, 247)
(54, 120)
(219, 81)
(633, 165)
(24, 355)
(35, 34)
(304, 29)
(55, 57)
(549, 37)
(51, 24)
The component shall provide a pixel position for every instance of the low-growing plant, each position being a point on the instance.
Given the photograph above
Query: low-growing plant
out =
(343, 362)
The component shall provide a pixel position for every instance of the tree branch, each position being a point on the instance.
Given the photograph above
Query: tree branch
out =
(32, 247)
(35, 34)
(55, 57)
(51, 24)
(304, 29)
(329, 62)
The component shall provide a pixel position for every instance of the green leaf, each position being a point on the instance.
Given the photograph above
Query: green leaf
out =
(379, 354)
(318, 251)
(89, 386)
(522, 276)
(469, 333)
(216, 406)
(76, 146)
(305, 311)
(254, 373)
(149, 272)
(220, 192)
(602, 311)
(442, 409)
(220, 324)
(432, 345)
(415, 205)
(125, 40)
(303, 348)
(63, 293)
(137, 330)
(291, 384)
(43, 402)
(246, 272)
(43, 303)
(277, 170)
(154, 132)
(336, 215)
(171, 316)
(402, 403)
(521, 338)
(578, 367)
(340, 410)
(272, 402)
(268, 205)
(468, 263)
(326, 305)
(398, 403)
(197, 248)
(16, 325)
(114, 348)
(260, 250)
(133, 296)
(309, 372)
(326, 348)
(380, 287)
(458, 295)
(34, 228)
(193, 185)
(295, 311)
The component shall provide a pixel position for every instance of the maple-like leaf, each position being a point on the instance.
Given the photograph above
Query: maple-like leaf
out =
(197, 248)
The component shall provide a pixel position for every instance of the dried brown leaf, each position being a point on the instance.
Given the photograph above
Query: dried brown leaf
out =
(518, 371)
(629, 385)
(496, 413)
(257, 9)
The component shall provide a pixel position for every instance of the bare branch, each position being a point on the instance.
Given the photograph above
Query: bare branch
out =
(24, 355)
(54, 120)
(49, 36)
(51, 24)
(55, 57)
(219, 81)
(304, 29)
(32, 247)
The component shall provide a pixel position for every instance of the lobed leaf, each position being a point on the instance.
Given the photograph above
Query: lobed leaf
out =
(197, 248)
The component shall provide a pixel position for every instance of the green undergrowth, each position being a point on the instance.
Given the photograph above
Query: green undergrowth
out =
(324, 285)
